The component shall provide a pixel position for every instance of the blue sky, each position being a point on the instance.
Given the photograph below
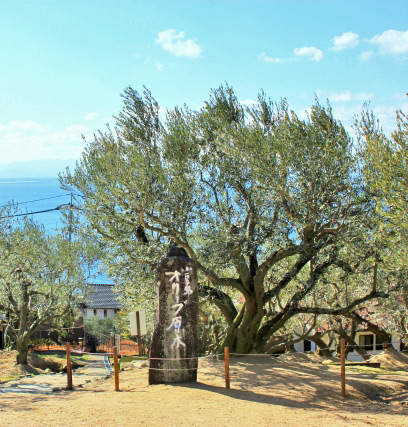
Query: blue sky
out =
(64, 64)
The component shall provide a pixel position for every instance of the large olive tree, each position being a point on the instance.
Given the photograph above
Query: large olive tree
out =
(263, 201)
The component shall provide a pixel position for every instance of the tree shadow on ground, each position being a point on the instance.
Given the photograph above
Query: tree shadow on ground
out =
(318, 377)
(317, 386)
(345, 405)
(13, 402)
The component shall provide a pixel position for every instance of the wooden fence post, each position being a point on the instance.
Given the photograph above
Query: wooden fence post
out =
(116, 367)
(139, 335)
(227, 375)
(69, 368)
(343, 367)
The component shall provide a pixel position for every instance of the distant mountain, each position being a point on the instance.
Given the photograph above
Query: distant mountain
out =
(35, 168)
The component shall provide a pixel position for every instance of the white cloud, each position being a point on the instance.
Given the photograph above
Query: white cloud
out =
(248, 103)
(384, 113)
(341, 97)
(28, 140)
(386, 116)
(345, 96)
(366, 55)
(158, 65)
(401, 96)
(311, 52)
(391, 42)
(22, 125)
(173, 42)
(276, 60)
(91, 116)
(303, 114)
(264, 57)
(346, 40)
(163, 114)
(347, 112)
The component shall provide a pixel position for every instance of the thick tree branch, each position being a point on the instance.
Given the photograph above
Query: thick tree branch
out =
(372, 327)
(275, 257)
(286, 279)
(292, 306)
(221, 300)
(214, 278)
(342, 310)
(277, 345)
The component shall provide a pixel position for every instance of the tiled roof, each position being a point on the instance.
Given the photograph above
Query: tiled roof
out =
(101, 296)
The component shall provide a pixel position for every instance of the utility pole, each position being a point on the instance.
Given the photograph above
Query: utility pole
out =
(69, 206)
(70, 219)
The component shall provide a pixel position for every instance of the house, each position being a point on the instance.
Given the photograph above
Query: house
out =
(101, 301)
(371, 344)
(305, 346)
(364, 338)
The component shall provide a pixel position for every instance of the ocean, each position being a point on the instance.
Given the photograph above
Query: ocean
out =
(36, 195)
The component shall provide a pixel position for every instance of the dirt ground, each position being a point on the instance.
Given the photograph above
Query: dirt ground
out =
(37, 365)
(292, 390)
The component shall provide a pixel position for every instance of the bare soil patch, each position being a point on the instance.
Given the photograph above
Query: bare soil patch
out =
(264, 392)
(391, 359)
(36, 365)
(9, 369)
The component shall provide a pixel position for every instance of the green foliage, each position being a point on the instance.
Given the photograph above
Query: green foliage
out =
(387, 166)
(269, 207)
(41, 278)
(385, 161)
(102, 329)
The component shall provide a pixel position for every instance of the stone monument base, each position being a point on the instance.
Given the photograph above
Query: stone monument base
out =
(174, 371)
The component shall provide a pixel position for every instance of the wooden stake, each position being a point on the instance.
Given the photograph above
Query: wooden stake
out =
(343, 367)
(139, 336)
(69, 369)
(116, 367)
(227, 375)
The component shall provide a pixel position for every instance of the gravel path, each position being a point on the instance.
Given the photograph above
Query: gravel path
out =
(97, 368)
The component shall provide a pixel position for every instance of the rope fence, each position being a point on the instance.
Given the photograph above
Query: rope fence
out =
(225, 355)
(115, 370)
(173, 369)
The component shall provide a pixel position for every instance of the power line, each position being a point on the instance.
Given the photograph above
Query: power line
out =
(68, 206)
(38, 200)
(30, 213)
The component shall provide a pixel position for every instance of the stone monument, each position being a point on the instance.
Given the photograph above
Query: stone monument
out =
(175, 342)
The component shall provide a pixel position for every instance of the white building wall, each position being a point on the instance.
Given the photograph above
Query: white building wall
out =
(353, 356)
(300, 346)
(100, 312)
